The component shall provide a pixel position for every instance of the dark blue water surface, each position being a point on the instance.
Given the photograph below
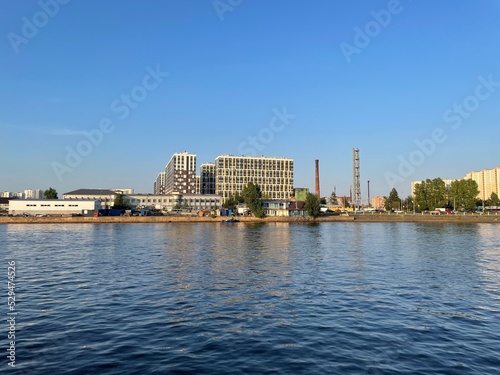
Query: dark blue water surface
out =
(330, 298)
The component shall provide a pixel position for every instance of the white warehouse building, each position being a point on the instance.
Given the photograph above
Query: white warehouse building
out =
(53, 206)
(167, 202)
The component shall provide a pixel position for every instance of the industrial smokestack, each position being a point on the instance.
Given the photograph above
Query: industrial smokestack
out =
(317, 178)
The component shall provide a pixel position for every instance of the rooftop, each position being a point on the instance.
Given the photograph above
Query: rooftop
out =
(91, 192)
(253, 157)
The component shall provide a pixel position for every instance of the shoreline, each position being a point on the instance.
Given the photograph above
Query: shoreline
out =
(358, 218)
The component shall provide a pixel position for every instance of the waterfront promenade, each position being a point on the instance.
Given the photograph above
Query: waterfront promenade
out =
(390, 218)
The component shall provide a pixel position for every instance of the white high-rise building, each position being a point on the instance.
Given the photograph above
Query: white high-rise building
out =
(273, 175)
(159, 184)
(33, 194)
(181, 174)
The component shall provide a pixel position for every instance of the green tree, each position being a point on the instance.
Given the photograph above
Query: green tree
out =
(312, 205)
(252, 197)
(493, 200)
(259, 212)
(231, 202)
(322, 200)
(463, 194)
(408, 203)
(421, 199)
(438, 193)
(50, 193)
(121, 203)
(392, 202)
(431, 194)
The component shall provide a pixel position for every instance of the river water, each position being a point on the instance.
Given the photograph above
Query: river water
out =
(328, 298)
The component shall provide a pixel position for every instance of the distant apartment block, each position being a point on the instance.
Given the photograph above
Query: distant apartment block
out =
(181, 174)
(10, 194)
(488, 181)
(33, 194)
(273, 175)
(159, 184)
(207, 178)
(378, 202)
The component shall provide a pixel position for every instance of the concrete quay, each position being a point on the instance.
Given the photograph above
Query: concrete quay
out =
(358, 218)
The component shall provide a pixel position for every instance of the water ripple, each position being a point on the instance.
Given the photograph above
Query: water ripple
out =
(332, 298)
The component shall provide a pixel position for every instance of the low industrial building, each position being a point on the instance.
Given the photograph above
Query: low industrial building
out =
(105, 196)
(4, 204)
(169, 202)
(284, 207)
(53, 207)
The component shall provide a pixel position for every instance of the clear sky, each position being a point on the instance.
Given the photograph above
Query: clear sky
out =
(376, 75)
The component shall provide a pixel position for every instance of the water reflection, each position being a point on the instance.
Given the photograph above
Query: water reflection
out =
(189, 297)
(489, 244)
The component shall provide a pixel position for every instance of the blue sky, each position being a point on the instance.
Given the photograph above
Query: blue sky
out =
(231, 68)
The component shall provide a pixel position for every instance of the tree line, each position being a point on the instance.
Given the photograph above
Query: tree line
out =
(461, 195)
(252, 196)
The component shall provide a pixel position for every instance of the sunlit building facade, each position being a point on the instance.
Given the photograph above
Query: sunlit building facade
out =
(181, 174)
(488, 181)
(378, 202)
(159, 184)
(273, 175)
